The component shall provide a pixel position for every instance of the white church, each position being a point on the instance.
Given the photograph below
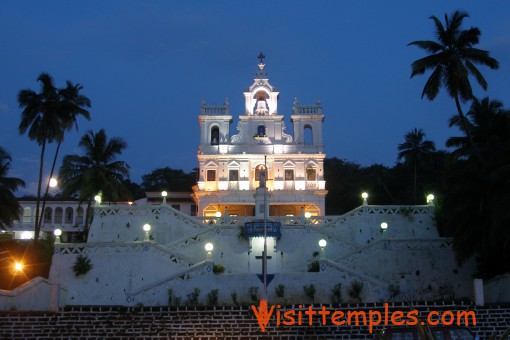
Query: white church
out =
(155, 254)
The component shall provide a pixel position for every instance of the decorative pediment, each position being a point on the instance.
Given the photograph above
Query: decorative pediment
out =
(211, 164)
(233, 164)
(289, 164)
(311, 164)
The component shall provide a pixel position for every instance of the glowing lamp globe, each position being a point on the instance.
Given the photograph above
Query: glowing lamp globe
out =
(164, 193)
(57, 232)
(18, 266)
(430, 198)
(53, 182)
(384, 226)
(97, 198)
(218, 214)
(308, 214)
(209, 247)
(322, 243)
(364, 195)
(146, 227)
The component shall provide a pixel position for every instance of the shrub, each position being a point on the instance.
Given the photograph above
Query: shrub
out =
(310, 292)
(193, 297)
(314, 266)
(212, 297)
(336, 293)
(82, 265)
(218, 268)
(253, 292)
(356, 290)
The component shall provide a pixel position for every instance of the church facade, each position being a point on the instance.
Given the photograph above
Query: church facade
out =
(230, 164)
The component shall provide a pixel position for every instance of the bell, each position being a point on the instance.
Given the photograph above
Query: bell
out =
(261, 108)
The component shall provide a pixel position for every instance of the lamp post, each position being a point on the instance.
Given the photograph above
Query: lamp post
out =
(430, 199)
(97, 198)
(147, 228)
(208, 248)
(322, 244)
(57, 233)
(364, 196)
(164, 194)
(384, 226)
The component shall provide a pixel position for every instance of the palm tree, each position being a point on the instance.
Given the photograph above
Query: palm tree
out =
(489, 124)
(452, 59)
(415, 150)
(96, 171)
(71, 105)
(9, 206)
(40, 118)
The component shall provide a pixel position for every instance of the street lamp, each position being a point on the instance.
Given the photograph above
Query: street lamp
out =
(208, 248)
(430, 199)
(164, 194)
(384, 226)
(57, 233)
(97, 198)
(53, 182)
(147, 228)
(322, 244)
(364, 196)
(308, 214)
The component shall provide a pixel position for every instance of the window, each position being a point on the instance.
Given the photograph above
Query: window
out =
(69, 215)
(211, 175)
(233, 175)
(258, 170)
(289, 174)
(47, 215)
(261, 131)
(58, 215)
(308, 135)
(311, 174)
(176, 206)
(215, 135)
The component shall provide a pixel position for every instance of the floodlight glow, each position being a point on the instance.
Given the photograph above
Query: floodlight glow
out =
(209, 247)
(146, 227)
(18, 266)
(53, 182)
(322, 243)
(57, 232)
(384, 226)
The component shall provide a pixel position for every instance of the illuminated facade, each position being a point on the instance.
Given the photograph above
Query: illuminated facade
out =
(229, 164)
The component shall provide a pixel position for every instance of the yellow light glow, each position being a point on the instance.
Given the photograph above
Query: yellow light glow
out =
(308, 214)
(18, 266)
(218, 214)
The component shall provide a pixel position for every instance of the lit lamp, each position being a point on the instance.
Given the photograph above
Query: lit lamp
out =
(322, 244)
(18, 267)
(384, 226)
(53, 182)
(430, 199)
(208, 248)
(146, 228)
(97, 198)
(364, 196)
(218, 215)
(308, 214)
(57, 233)
(164, 194)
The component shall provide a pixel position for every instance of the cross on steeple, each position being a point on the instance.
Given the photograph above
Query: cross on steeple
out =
(261, 56)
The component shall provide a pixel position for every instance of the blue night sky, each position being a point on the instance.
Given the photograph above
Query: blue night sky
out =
(146, 65)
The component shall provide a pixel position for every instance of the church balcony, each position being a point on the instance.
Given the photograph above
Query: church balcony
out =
(233, 185)
(222, 185)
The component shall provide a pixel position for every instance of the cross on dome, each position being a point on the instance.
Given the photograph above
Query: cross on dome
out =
(261, 56)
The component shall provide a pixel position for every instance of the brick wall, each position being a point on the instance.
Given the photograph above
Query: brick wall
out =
(207, 322)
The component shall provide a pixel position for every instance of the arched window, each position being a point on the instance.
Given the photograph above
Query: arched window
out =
(79, 216)
(27, 215)
(215, 135)
(261, 131)
(69, 215)
(58, 215)
(48, 212)
(308, 135)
